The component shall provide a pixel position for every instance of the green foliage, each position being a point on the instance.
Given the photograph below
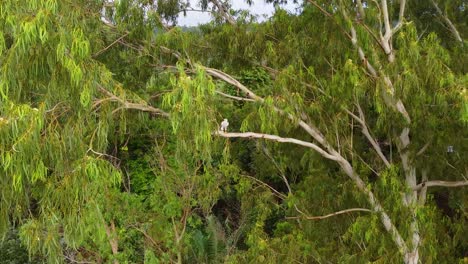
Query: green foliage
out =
(12, 251)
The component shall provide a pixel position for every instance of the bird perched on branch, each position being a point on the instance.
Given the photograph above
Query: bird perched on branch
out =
(224, 125)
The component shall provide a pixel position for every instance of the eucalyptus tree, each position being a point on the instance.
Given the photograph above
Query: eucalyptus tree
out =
(57, 175)
(70, 104)
(388, 102)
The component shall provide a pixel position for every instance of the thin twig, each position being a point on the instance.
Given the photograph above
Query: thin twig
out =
(330, 215)
(110, 45)
(235, 97)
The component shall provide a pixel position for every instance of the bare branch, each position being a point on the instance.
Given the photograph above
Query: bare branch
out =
(365, 163)
(285, 179)
(229, 79)
(110, 45)
(99, 154)
(235, 97)
(361, 53)
(279, 139)
(401, 17)
(440, 184)
(223, 12)
(320, 8)
(391, 101)
(367, 134)
(275, 192)
(330, 215)
(452, 27)
(386, 39)
(423, 149)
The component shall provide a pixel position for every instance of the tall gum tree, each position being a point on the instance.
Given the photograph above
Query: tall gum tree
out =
(385, 86)
(56, 174)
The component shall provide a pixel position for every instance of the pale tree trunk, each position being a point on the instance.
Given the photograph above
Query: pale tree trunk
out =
(410, 200)
(412, 258)
(409, 249)
(113, 240)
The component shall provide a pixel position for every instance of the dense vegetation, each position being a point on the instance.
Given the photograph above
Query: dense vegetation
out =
(347, 140)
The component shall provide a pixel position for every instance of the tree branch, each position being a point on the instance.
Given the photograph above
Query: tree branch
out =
(330, 215)
(388, 30)
(321, 9)
(129, 105)
(354, 41)
(452, 27)
(229, 79)
(223, 12)
(424, 148)
(440, 184)
(275, 192)
(401, 17)
(110, 45)
(386, 38)
(278, 139)
(361, 120)
(285, 179)
(235, 97)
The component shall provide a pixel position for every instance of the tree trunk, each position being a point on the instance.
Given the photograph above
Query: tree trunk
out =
(114, 243)
(412, 257)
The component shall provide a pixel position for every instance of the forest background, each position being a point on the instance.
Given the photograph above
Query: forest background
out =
(347, 140)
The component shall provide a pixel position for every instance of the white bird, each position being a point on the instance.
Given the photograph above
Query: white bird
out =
(224, 125)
